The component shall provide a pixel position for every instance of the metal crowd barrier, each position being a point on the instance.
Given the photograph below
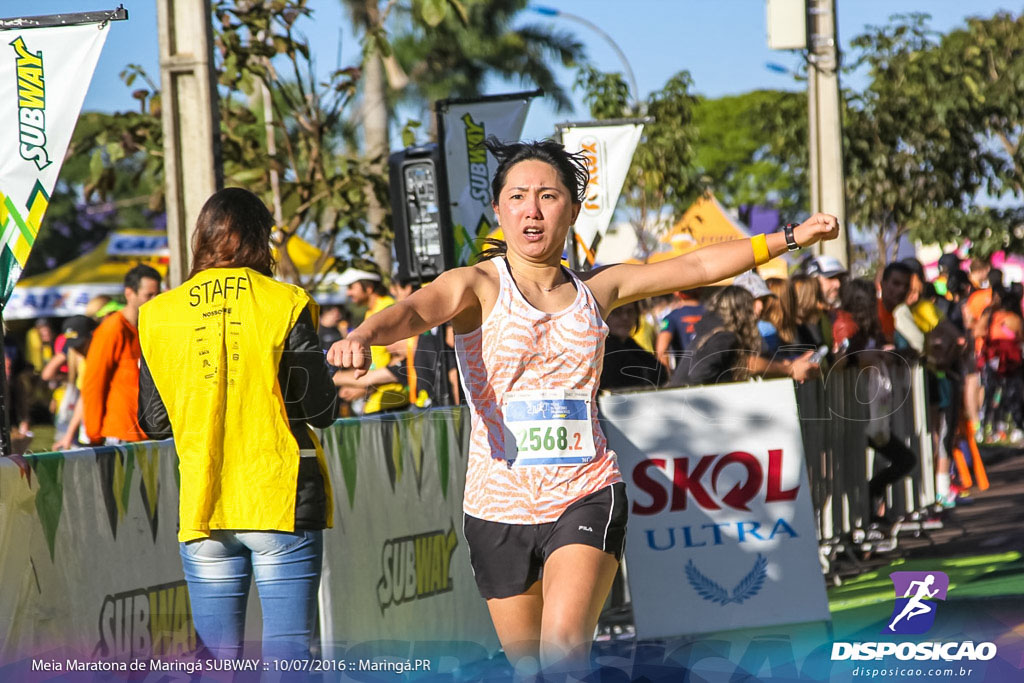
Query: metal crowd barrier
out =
(834, 416)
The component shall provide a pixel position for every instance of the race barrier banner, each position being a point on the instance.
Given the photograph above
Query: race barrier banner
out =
(90, 563)
(721, 533)
(44, 76)
(470, 166)
(91, 568)
(396, 565)
(609, 153)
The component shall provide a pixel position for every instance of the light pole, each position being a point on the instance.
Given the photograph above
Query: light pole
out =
(552, 12)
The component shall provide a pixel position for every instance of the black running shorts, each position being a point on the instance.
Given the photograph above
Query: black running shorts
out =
(509, 558)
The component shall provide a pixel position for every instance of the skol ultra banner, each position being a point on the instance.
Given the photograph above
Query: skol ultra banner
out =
(721, 529)
(470, 166)
(44, 74)
(609, 152)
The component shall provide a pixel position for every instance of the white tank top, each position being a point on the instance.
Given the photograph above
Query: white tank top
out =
(519, 348)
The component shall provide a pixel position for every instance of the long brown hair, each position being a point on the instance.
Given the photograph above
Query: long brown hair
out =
(735, 306)
(233, 231)
(810, 302)
(778, 309)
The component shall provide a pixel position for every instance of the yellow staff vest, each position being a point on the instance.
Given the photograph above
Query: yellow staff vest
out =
(213, 346)
(393, 394)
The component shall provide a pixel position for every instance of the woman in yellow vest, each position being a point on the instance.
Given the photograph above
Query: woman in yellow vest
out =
(232, 368)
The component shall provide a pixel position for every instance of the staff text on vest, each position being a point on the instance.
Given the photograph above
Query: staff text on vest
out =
(211, 290)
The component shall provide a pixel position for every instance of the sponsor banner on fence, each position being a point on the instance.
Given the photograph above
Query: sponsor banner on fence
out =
(44, 75)
(90, 563)
(609, 153)
(397, 561)
(91, 566)
(721, 533)
(470, 166)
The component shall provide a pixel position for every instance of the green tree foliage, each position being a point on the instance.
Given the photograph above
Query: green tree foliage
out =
(324, 184)
(983, 65)
(453, 57)
(661, 182)
(742, 149)
(913, 153)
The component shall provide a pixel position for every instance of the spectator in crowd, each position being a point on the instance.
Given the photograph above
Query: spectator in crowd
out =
(755, 284)
(860, 337)
(678, 327)
(330, 317)
(917, 315)
(813, 328)
(948, 264)
(652, 312)
(39, 344)
(728, 345)
(983, 279)
(779, 312)
(626, 365)
(978, 271)
(17, 399)
(857, 327)
(426, 365)
(1003, 381)
(829, 273)
(110, 388)
(78, 334)
(894, 288)
(366, 289)
(92, 308)
(957, 289)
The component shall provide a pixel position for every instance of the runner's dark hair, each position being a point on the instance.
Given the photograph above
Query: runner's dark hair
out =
(571, 168)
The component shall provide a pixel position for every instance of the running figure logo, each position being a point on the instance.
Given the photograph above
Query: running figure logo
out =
(914, 611)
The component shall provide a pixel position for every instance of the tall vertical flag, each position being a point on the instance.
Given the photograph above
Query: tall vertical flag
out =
(44, 74)
(608, 150)
(469, 166)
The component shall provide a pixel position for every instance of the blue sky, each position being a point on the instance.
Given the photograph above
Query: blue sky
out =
(721, 42)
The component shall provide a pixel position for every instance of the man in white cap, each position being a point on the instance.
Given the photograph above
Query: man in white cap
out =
(366, 288)
(829, 272)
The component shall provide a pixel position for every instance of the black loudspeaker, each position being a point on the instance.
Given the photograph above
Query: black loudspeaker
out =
(424, 245)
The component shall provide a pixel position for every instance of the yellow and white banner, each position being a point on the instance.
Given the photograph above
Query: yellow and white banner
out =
(44, 75)
(609, 153)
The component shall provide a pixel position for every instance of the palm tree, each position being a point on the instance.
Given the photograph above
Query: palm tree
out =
(454, 59)
(450, 59)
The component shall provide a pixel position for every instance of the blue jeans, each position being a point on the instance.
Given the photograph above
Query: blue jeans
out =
(286, 567)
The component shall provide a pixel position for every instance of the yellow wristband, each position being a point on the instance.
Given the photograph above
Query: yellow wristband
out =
(760, 245)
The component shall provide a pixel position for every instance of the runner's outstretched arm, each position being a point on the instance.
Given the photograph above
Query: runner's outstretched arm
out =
(620, 284)
(440, 301)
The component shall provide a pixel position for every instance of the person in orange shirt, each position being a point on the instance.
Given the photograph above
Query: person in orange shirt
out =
(893, 291)
(110, 387)
(976, 320)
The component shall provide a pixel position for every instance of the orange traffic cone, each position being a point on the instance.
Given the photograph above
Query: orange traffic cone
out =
(979, 467)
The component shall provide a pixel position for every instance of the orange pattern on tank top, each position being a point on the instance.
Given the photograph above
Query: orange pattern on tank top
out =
(520, 348)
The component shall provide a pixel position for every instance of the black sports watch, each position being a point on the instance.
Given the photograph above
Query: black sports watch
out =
(791, 244)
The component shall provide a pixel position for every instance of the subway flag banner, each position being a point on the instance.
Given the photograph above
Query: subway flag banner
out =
(608, 151)
(44, 74)
(470, 166)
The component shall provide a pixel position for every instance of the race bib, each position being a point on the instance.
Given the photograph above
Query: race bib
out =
(550, 427)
